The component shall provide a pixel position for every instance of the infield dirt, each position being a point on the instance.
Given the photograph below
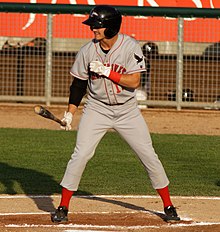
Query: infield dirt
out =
(112, 213)
(109, 213)
(163, 121)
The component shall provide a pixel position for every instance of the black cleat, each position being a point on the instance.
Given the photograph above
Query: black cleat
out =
(171, 214)
(60, 215)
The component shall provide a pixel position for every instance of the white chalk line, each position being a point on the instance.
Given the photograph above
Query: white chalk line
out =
(109, 196)
(86, 227)
(111, 226)
(181, 224)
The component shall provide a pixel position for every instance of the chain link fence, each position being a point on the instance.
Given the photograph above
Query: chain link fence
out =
(38, 48)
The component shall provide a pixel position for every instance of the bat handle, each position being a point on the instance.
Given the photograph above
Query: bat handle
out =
(62, 123)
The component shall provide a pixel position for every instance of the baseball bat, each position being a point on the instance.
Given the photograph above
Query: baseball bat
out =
(47, 114)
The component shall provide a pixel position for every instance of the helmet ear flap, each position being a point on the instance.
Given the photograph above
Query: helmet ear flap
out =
(109, 33)
(113, 26)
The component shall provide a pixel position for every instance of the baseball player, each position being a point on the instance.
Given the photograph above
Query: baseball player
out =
(110, 66)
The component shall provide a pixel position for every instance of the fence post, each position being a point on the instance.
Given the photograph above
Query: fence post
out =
(48, 64)
(179, 71)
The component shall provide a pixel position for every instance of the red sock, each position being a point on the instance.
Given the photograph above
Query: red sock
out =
(66, 196)
(165, 196)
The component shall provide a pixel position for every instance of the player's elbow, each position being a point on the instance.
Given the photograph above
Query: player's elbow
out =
(131, 80)
(136, 82)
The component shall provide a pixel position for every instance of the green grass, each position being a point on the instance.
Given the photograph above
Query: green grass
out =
(33, 162)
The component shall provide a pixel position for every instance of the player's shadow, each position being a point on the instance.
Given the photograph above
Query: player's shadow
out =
(218, 183)
(126, 205)
(31, 182)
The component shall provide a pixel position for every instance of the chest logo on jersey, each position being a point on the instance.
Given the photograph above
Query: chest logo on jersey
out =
(118, 68)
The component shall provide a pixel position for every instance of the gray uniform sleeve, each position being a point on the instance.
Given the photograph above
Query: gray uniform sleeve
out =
(135, 61)
(80, 66)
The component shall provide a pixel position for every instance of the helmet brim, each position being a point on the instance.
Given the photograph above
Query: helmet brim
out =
(92, 22)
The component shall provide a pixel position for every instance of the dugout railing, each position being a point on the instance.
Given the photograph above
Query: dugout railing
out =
(183, 70)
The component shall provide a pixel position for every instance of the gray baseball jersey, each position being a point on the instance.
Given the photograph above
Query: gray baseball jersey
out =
(125, 57)
(111, 106)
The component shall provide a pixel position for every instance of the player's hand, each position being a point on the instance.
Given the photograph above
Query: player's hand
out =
(99, 68)
(68, 120)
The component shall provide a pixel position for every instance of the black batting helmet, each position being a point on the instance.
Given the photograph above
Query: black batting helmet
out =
(104, 16)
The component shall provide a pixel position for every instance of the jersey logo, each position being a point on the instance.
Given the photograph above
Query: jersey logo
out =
(138, 58)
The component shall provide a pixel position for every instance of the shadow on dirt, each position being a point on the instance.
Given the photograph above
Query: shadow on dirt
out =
(126, 205)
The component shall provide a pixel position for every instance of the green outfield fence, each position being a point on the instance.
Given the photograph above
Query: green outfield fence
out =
(39, 42)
